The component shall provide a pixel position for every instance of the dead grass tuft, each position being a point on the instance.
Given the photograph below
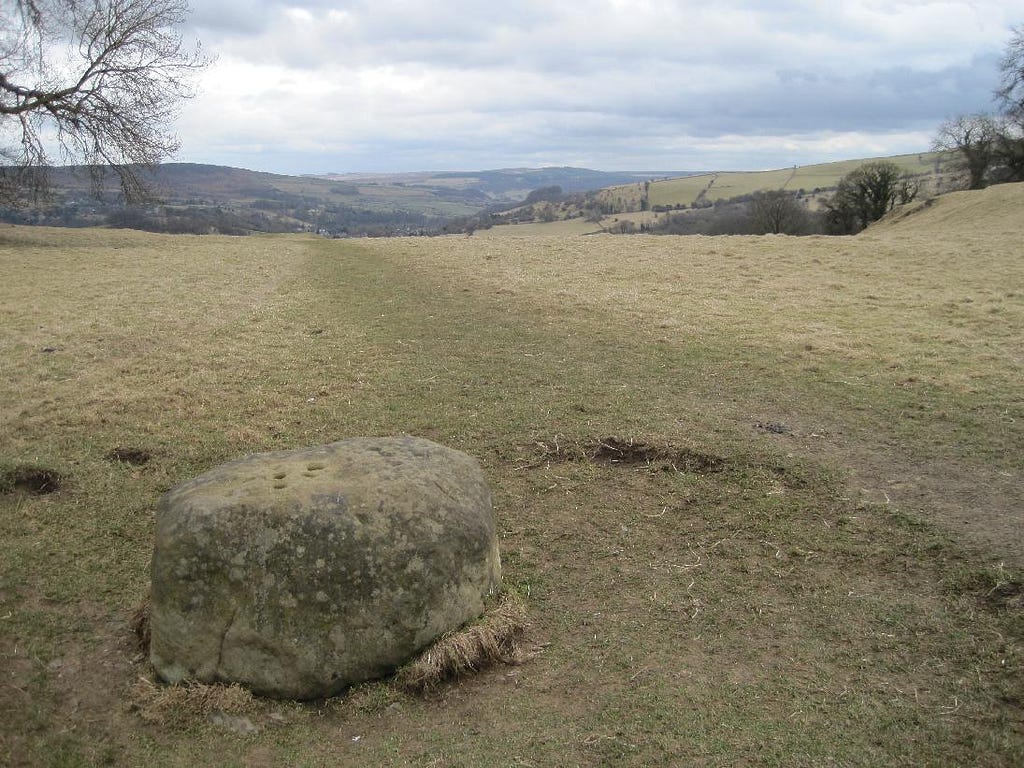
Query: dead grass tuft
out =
(495, 638)
(188, 704)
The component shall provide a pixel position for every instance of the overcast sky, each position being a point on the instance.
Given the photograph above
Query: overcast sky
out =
(320, 86)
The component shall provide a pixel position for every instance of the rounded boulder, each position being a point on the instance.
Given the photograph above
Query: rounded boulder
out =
(298, 573)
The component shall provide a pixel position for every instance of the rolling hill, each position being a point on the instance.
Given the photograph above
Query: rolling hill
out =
(639, 203)
(208, 198)
(969, 215)
(722, 186)
(205, 199)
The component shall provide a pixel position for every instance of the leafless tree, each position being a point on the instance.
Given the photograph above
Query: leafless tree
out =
(91, 82)
(1011, 91)
(777, 212)
(1010, 143)
(973, 138)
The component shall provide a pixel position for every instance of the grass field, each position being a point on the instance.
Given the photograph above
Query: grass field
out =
(800, 544)
(722, 186)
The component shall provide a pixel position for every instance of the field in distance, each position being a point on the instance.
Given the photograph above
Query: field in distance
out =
(761, 495)
(722, 186)
(643, 201)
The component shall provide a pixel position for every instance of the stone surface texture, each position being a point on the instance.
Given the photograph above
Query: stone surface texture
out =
(298, 573)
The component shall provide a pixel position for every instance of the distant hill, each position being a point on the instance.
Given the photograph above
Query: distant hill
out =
(511, 184)
(210, 198)
(639, 202)
(708, 188)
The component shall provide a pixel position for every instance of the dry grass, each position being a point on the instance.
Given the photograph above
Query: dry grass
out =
(759, 608)
(886, 336)
(575, 227)
(188, 705)
(494, 638)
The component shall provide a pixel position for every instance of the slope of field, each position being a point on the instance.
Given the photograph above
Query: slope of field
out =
(762, 495)
(989, 215)
(721, 186)
(635, 201)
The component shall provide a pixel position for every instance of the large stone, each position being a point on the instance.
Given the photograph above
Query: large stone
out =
(298, 573)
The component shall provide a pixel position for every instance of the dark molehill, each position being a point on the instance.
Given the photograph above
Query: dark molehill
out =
(134, 456)
(614, 451)
(631, 453)
(773, 427)
(1008, 596)
(37, 481)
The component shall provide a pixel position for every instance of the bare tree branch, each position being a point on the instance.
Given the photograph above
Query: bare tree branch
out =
(777, 212)
(1010, 94)
(92, 82)
(972, 138)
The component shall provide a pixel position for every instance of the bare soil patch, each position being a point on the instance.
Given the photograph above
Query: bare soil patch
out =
(137, 457)
(627, 452)
(38, 481)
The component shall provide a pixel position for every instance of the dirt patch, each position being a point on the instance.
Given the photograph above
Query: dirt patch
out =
(134, 456)
(1008, 595)
(773, 427)
(37, 481)
(999, 587)
(628, 452)
(981, 504)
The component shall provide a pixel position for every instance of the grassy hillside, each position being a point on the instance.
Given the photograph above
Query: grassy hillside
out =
(721, 186)
(642, 201)
(762, 495)
(634, 201)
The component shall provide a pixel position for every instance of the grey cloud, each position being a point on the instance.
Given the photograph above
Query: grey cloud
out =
(541, 79)
(231, 17)
(795, 102)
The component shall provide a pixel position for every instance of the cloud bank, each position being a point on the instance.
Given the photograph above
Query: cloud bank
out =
(314, 86)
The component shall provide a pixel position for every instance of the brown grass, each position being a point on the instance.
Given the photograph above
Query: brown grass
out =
(767, 613)
(494, 639)
(188, 705)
